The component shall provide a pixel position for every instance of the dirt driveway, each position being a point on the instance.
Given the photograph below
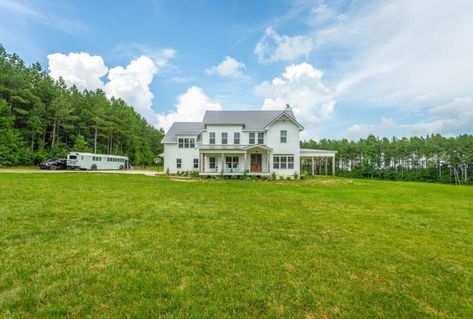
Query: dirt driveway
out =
(39, 171)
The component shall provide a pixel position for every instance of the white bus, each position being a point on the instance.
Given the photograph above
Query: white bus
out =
(91, 161)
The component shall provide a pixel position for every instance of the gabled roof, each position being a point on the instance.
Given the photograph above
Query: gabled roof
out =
(182, 128)
(252, 120)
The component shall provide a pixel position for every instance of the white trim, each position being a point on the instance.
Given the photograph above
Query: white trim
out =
(281, 115)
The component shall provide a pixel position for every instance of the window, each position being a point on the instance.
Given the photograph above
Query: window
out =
(231, 162)
(212, 138)
(212, 163)
(178, 163)
(283, 162)
(72, 157)
(236, 138)
(290, 162)
(196, 163)
(252, 137)
(260, 138)
(186, 142)
(276, 162)
(283, 136)
(224, 138)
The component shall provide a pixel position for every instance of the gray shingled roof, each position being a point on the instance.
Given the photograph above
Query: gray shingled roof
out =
(253, 120)
(190, 128)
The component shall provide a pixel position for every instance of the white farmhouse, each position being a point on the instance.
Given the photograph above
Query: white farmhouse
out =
(234, 142)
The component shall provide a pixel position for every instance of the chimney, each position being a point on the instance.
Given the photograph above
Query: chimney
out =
(288, 107)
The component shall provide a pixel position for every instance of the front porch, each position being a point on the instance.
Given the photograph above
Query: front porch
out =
(254, 160)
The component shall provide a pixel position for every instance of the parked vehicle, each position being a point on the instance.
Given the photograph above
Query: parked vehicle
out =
(91, 161)
(54, 164)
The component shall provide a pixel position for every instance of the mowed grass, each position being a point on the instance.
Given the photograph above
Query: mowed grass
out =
(98, 245)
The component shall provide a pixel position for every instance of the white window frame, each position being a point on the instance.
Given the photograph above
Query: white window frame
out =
(260, 137)
(212, 163)
(283, 161)
(224, 136)
(283, 136)
(231, 162)
(212, 138)
(236, 138)
(252, 138)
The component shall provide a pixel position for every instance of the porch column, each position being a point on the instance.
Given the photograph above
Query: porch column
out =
(312, 166)
(223, 164)
(326, 162)
(244, 162)
(200, 162)
(333, 165)
(268, 159)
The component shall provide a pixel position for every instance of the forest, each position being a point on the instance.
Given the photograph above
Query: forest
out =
(433, 158)
(41, 118)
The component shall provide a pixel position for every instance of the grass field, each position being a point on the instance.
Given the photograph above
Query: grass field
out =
(102, 245)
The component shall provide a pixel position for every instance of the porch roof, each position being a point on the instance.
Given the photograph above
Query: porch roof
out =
(305, 153)
(241, 148)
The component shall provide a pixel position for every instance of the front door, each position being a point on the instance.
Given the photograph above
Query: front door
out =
(256, 163)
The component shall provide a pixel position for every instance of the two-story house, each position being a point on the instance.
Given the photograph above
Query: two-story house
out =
(234, 142)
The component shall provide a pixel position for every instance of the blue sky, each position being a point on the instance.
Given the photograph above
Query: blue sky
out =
(348, 68)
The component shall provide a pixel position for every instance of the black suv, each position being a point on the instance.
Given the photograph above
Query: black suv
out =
(54, 164)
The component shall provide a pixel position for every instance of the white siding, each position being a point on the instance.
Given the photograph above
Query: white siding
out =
(172, 152)
(218, 129)
(291, 147)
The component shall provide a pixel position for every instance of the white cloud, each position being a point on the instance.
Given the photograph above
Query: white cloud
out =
(229, 67)
(273, 47)
(191, 106)
(80, 69)
(385, 128)
(132, 85)
(453, 117)
(401, 52)
(302, 87)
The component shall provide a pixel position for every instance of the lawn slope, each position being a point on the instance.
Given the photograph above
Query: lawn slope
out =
(104, 245)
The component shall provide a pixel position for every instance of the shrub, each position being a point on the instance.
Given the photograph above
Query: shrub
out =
(167, 171)
(296, 176)
(194, 174)
(273, 176)
(288, 178)
(281, 178)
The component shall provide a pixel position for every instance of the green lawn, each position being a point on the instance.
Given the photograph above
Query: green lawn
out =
(100, 245)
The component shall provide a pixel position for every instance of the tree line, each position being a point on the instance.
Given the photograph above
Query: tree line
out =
(42, 118)
(433, 158)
